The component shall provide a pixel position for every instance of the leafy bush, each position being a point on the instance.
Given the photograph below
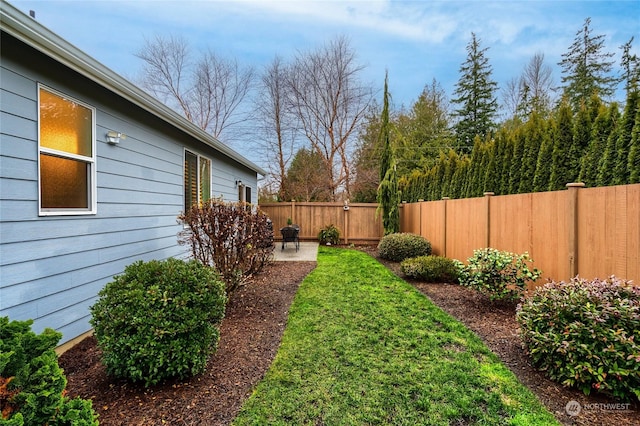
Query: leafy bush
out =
(500, 275)
(159, 319)
(31, 382)
(400, 246)
(432, 269)
(234, 238)
(584, 334)
(329, 235)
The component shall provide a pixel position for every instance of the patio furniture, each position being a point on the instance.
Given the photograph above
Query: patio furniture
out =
(290, 234)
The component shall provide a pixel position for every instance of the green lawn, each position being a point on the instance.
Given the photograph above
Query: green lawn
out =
(364, 347)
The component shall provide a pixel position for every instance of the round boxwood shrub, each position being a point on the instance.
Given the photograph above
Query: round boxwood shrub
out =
(431, 269)
(400, 246)
(159, 319)
(585, 334)
(32, 383)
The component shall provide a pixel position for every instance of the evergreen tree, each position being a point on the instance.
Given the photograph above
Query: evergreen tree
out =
(516, 161)
(306, 178)
(630, 66)
(623, 143)
(508, 140)
(600, 132)
(581, 139)
(388, 193)
(634, 152)
(425, 130)
(587, 68)
(475, 96)
(544, 160)
(561, 172)
(607, 162)
(491, 176)
(533, 135)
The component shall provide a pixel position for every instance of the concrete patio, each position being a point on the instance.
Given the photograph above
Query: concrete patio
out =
(308, 252)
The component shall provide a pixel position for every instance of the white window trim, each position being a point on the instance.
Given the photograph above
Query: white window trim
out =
(93, 184)
(198, 156)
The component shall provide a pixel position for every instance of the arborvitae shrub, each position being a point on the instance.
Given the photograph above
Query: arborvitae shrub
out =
(159, 320)
(329, 235)
(400, 246)
(500, 275)
(431, 269)
(32, 383)
(584, 334)
(234, 238)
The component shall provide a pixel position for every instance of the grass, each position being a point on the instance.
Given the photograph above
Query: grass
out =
(364, 347)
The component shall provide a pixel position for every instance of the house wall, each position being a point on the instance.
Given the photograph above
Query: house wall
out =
(52, 267)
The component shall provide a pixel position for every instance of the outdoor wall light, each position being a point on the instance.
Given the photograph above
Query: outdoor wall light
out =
(113, 138)
(238, 183)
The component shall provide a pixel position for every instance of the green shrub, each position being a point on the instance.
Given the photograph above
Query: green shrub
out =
(32, 383)
(431, 269)
(400, 246)
(500, 275)
(584, 334)
(329, 235)
(159, 319)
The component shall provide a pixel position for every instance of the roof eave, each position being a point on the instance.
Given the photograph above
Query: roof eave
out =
(29, 31)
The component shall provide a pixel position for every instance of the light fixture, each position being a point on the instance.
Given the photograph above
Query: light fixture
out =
(113, 138)
(238, 183)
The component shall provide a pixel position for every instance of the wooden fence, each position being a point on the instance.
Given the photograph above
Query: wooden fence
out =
(591, 232)
(358, 223)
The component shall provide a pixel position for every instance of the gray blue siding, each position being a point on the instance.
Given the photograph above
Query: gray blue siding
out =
(52, 267)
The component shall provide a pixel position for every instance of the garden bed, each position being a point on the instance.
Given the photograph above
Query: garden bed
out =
(250, 336)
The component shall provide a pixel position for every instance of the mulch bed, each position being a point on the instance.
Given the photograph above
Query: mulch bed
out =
(250, 335)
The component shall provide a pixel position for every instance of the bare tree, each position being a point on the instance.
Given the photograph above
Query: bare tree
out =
(209, 90)
(532, 91)
(277, 128)
(538, 79)
(329, 102)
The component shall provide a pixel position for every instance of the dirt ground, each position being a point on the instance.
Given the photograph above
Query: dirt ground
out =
(250, 335)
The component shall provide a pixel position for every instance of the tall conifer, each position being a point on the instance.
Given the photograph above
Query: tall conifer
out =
(475, 96)
(587, 68)
(561, 172)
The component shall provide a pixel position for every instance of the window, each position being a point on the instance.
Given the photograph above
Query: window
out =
(197, 179)
(244, 193)
(67, 175)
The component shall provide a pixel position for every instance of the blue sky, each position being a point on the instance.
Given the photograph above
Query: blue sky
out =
(416, 41)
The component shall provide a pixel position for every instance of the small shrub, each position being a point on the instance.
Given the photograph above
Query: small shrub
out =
(234, 238)
(329, 235)
(31, 382)
(431, 269)
(500, 275)
(159, 319)
(584, 334)
(400, 246)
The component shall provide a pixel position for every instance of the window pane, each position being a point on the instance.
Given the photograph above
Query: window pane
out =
(64, 183)
(190, 180)
(205, 179)
(65, 125)
(248, 195)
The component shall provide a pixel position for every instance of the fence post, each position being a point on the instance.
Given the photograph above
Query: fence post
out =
(345, 209)
(444, 226)
(487, 197)
(572, 208)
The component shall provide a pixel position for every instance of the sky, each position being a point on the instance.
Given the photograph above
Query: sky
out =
(415, 41)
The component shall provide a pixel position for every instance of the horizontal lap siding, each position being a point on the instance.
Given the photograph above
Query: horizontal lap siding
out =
(51, 268)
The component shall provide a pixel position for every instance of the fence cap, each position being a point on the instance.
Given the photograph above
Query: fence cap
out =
(576, 185)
